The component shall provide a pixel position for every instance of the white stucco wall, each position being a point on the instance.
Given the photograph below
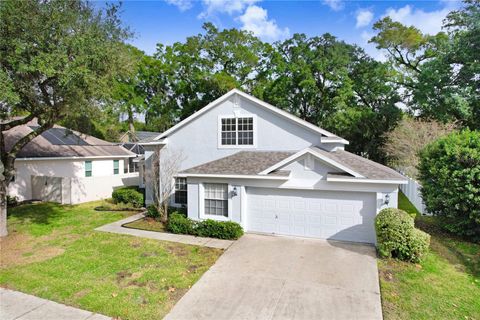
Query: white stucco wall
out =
(198, 140)
(238, 204)
(76, 188)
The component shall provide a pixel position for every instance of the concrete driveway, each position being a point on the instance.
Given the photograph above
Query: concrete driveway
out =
(267, 277)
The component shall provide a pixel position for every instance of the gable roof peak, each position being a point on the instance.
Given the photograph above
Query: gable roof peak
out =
(258, 102)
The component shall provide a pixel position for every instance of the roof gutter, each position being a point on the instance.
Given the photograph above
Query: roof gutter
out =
(333, 140)
(153, 143)
(232, 176)
(363, 180)
(76, 158)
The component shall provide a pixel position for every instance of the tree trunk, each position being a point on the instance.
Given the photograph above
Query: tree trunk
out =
(3, 209)
(131, 125)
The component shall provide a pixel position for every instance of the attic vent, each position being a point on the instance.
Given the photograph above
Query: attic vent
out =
(236, 101)
(309, 162)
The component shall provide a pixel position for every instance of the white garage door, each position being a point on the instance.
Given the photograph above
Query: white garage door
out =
(347, 216)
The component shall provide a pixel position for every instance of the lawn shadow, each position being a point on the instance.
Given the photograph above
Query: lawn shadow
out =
(456, 250)
(39, 213)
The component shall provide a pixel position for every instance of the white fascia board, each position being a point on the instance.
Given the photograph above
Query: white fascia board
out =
(333, 140)
(364, 180)
(231, 176)
(251, 98)
(315, 154)
(284, 162)
(76, 158)
(285, 114)
(335, 164)
(153, 143)
(196, 114)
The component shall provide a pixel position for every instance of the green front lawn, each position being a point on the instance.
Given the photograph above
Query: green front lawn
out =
(147, 224)
(53, 252)
(445, 285)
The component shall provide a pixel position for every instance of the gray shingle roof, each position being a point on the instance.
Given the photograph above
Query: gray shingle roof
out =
(367, 168)
(146, 136)
(61, 142)
(242, 163)
(254, 162)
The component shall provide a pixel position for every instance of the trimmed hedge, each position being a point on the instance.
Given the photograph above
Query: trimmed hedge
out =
(178, 223)
(219, 229)
(129, 195)
(397, 236)
(449, 171)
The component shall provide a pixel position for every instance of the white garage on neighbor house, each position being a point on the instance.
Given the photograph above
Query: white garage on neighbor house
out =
(68, 167)
(246, 161)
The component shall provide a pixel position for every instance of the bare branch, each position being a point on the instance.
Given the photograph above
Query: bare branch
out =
(165, 166)
(410, 136)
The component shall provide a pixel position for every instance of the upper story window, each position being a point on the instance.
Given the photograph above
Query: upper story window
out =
(237, 131)
(229, 131)
(116, 166)
(88, 168)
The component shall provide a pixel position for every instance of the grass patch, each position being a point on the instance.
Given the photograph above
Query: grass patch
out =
(52, 252)
(109, 205)
(445, 285)
(406, 205)
(147, 224)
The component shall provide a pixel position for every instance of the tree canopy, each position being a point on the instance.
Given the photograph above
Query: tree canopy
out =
(438, 74)
(57, 60)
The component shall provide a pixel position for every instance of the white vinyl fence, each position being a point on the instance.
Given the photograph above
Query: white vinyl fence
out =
(412, 191)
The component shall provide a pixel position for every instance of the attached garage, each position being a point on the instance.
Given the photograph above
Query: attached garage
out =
(338, 215)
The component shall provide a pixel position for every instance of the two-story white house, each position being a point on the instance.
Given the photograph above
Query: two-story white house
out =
(246, 161)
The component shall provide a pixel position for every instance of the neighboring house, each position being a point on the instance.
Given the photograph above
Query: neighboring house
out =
(68, 167)
(138, 165)
(249, 162)
(137, 136)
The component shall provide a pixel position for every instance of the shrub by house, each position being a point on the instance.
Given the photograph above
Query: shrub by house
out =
(178, 223)
(449, 171)
(128, 195)
(397, 236)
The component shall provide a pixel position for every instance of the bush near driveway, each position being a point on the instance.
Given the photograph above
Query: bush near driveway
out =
(444, 285)
(219, 229)
(449, 172)
(178, 223)
(128, 195)
(397, 236)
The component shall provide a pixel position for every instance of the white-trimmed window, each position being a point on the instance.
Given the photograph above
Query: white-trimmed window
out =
(88, 168)
(237, 131)
(116, 166)
(216, 199)
(229, 131)
(181, 190)
(245, 131)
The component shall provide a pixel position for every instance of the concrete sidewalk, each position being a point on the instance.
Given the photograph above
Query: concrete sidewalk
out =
(116, 227)
(17, 305)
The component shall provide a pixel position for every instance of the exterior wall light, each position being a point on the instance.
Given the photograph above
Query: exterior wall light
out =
(234, 192)
(387, 199)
